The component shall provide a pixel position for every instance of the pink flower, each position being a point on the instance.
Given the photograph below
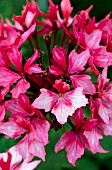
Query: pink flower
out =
(62, 104)
(105, 25)
(76, 63)
(29, 15)
(35, 140)
(28, 121)
(103, 115)
(54, 20)
(98, 53)
(36, 136)
(76, 140)
(8, 77)
(104, 96)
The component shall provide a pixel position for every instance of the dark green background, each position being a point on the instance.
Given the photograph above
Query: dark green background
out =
(59, 161)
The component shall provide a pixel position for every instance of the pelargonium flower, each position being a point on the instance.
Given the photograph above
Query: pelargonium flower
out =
(28, 121)
(11, 159)
(105, 25)
(62, 104)
(104, 96)
(29, 15)
(99, 55)
(8, 77)
(76, 63)
(104, 121)
(77, 140)
(54, 20)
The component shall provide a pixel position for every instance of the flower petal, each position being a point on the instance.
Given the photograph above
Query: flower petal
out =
(62, 110)
(41, 130)
(46, 100)
(7, 77)
(37, 149)
(83, 81)
(27, 34)
(92, 40)
(93, 136)
(72, 145)
(76, 98)
(77, 61)
(21, 87)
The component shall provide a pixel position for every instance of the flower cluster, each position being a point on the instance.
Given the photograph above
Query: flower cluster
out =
(42, 96)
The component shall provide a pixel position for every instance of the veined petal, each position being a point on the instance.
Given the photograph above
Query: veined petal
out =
(102, 79)
(46, 100)
(62, 110)
(12, 130)
(106, 129)
(83, 81)
(4, 60)
(74, 150)
(102, 58)
(89, 123)
(7, 77)
(76, 98)
(16, 157)
(77, 61)
(103, 111)
(72, 145)
(21, 87)
(93, 136)
(41, 130)
(23, 148)
(14, 107)
(37, 149)
(92, 40)
(63, 140)
(27, 34)
(107, 94)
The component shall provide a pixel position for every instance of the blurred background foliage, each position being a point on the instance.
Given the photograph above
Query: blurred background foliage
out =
(59, 161)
